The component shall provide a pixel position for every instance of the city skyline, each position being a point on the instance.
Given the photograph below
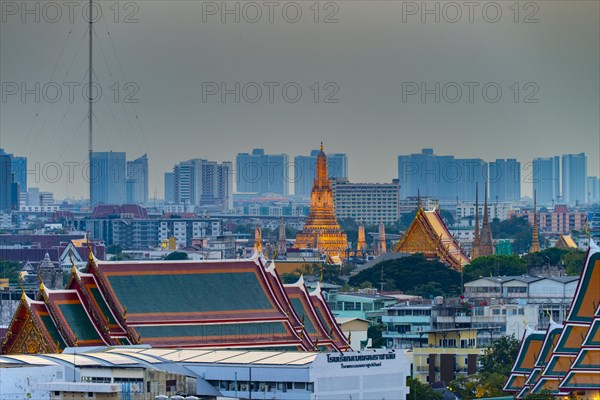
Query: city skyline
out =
(521, 176)
(370, 122)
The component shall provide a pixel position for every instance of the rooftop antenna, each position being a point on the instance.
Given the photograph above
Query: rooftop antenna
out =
(90, 79)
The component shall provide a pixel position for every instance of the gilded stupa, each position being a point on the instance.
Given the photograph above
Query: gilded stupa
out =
(322, 230)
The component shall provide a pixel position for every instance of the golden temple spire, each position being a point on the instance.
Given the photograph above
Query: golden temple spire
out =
(321, 145)
(535, 242)
(258, 240)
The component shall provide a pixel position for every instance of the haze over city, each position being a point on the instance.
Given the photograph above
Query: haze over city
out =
(367, 57)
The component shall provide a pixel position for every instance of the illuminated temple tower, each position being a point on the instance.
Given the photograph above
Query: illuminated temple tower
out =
(322, 230)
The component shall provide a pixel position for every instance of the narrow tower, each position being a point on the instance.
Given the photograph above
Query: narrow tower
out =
(361, 243)
(381, 246)
(486, 243)
(475, 245)
(281, 241)
(535, 241)
(257, 241)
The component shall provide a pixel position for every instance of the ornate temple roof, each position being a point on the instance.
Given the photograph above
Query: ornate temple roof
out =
(569, 358)
(565, 242)
(229, 303)
(429, 235)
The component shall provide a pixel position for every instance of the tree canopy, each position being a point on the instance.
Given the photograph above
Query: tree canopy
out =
(176, 255)
(10, 270)
(413, 274)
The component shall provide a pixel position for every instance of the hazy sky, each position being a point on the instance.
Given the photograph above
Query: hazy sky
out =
(371, 61)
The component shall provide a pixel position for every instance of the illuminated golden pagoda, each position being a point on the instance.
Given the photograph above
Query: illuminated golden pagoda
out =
(322, 230)
(361, 244)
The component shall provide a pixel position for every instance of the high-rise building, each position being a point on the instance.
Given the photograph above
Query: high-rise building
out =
(169, 187)
(370, 203)
(545, 176)
(137, 180)
(108, 176)
(574, 174)
(18, 167)
(258, 172)
(7, 184)
(593, 189)
(505, 180)
(441, 177)
(305, 168)
(203, 183)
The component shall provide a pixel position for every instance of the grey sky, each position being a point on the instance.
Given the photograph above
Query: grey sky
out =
(367, 55)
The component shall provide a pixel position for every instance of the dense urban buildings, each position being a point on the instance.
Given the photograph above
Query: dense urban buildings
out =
(305, 168)
(258, 172)
(505, 180)
(442, 177)
(574, 175)
(203, 183)
(108, 176)
(545, 176)
(370, 203)
(137, 181)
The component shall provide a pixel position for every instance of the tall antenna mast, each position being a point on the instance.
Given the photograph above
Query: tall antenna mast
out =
(90, 143)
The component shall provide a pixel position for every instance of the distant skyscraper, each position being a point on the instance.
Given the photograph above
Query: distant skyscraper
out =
(574, 174)
(593, 189)
(18, 166)
(108, 175)
(505, 180)
(545, 176)
(441, 177)
(305, 168)
(137, 180)
(169, 187)
(203, 183)
(262, 173)
(6, 182)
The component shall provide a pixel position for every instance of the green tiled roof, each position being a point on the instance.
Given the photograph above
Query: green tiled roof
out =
(301, 311)
(102, 304)
(53, 331)
(240, 332)
(78, 321)
(189, 292)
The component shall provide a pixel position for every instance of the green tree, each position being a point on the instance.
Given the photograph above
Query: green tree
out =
(375, 333)
(494, 266)
(10, 270)
(421, 391)
(465, 387)
(447, 217)
(516, 228)
(176, 255)
(501, 357)
(574, 260)
(407, 273)
(114, 249)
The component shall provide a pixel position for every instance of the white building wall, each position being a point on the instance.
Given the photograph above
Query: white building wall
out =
(546, 288)
(22, 383)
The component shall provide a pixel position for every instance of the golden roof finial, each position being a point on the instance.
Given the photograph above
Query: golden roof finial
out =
(420, 206)
(321, 145)
(73, 268)
(42, 287)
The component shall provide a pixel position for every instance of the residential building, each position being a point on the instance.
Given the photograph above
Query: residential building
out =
(370, 203)
(505, 180)
(305, 168)
(188, 231)
(137, 181)
(443, 178)
(108, 176)
(203, 183)
(258, 172)
(365, 304)
(560, 220)
(449, 354)
(406, 323)
(574, 174)
(545, 177)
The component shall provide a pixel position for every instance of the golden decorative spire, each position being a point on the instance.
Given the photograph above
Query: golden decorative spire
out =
(361, 243)
(322, 231)
(321, 145)
(535, 241)
(486, 244)
(258, 240)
